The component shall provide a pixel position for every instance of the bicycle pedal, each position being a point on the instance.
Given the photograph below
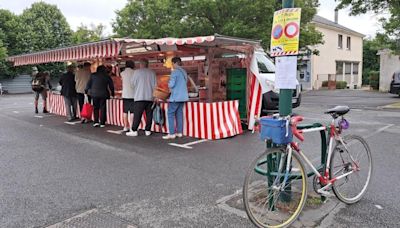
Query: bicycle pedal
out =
(323, 192)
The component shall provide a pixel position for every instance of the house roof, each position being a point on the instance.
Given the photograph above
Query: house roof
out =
(328, 23)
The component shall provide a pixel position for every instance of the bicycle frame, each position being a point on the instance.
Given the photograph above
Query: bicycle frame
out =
(334, 134)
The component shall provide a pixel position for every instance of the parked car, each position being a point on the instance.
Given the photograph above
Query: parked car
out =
(395, 84)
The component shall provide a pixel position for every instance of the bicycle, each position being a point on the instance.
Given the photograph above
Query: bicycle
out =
(275, 187)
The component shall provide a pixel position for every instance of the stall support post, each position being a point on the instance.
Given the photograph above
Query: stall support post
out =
(285, 109)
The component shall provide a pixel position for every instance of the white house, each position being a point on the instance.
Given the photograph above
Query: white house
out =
(340, 56)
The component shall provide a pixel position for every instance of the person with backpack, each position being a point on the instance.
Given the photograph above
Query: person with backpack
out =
(179, 95)
(40, 85)
(68, 91)
(100, 87)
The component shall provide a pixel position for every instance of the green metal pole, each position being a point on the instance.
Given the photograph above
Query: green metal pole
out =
(285, 95)
(285, 109)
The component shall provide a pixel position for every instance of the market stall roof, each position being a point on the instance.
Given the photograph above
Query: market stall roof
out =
(116, 47)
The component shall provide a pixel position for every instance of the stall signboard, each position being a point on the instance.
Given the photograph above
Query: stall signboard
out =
(285, 32)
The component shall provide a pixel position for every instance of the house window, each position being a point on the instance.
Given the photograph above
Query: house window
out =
(355, 68)
(347, 68)
(340, 41)
(339, 68)
(348, 44)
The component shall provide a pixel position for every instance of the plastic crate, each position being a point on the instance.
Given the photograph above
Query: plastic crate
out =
(276, 130)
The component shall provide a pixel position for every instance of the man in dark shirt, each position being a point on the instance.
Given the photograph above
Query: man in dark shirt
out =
(100, 87)
(68, 91)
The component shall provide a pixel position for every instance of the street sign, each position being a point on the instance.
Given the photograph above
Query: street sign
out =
(285, 32)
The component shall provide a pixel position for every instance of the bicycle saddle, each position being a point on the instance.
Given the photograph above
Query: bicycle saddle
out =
(338, 110)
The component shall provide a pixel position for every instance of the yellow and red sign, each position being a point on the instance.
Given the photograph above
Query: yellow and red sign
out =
(285, 32)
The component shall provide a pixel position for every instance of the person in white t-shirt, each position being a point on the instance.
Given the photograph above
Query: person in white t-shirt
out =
(127, 93)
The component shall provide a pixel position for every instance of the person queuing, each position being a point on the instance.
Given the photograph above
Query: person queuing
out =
(179, 95)
(40, 85)
(127, 93)
(100, 87)
(82, 77)
(143, 82)
(68, 91)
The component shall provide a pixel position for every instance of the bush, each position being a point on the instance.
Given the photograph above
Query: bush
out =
(324, 83)
(374, 79)
(341, 84)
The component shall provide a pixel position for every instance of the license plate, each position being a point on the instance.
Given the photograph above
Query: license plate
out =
(294, 100)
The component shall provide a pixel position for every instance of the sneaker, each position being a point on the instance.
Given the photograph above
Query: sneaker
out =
(102, 125)
(132, 133)
(83, 121)
(179, 135)
(125, 129)
(36, 110)
(45, 111)
(147, 133)
(96, 124)
(169, 136)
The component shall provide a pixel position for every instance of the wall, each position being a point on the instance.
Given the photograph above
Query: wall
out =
(388, 65)
(325, 63)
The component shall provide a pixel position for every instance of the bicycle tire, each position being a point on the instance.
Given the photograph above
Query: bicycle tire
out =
(347, 164)
(252, 192)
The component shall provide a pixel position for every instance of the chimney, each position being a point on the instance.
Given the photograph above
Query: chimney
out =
(336, 16)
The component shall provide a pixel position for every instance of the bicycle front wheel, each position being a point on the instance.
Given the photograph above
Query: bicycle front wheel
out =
(273, 197)
(352, 158)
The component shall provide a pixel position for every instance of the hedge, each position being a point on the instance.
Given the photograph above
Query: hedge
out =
(341, 84)
(374, 79)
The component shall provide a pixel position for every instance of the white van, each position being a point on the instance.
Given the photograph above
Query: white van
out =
(270, 102)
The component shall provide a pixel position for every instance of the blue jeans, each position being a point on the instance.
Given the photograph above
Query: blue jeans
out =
(175, 111)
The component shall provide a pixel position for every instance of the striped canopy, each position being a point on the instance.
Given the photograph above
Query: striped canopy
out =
(111, 48)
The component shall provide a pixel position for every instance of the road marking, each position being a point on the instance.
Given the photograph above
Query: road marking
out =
(119, 132)
(42, 116)
(188, 145)
(16, 112)
(72, 123)
(379, 130)
(379, 207)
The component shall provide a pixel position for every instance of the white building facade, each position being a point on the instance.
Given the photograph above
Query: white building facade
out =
(340, 57)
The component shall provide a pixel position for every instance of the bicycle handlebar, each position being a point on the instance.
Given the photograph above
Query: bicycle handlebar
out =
(294, 121)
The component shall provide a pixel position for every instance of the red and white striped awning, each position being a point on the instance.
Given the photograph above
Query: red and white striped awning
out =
(112, 48)
(102, 49)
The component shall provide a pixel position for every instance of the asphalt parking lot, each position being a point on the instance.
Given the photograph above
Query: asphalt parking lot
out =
(51, 171)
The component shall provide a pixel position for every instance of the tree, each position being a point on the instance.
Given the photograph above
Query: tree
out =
(88, 34)
(182, 18)
(391, 24)
(370, 57)
(43, 26)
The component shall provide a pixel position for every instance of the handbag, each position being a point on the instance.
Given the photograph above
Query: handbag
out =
(87, 110)
(158, 115)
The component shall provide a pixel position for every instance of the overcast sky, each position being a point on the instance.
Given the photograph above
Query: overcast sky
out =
(103, 11)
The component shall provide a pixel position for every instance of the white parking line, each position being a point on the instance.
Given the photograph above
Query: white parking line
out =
(119, 132)
(188, 145)
(379, 130)
(72, 123)
(43, 116)
(16, 112)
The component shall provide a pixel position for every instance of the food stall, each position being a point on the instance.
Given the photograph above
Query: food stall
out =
(223, 87)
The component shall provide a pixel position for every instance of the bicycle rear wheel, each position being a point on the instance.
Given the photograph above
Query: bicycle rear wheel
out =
(354, 156)
(265, 196)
